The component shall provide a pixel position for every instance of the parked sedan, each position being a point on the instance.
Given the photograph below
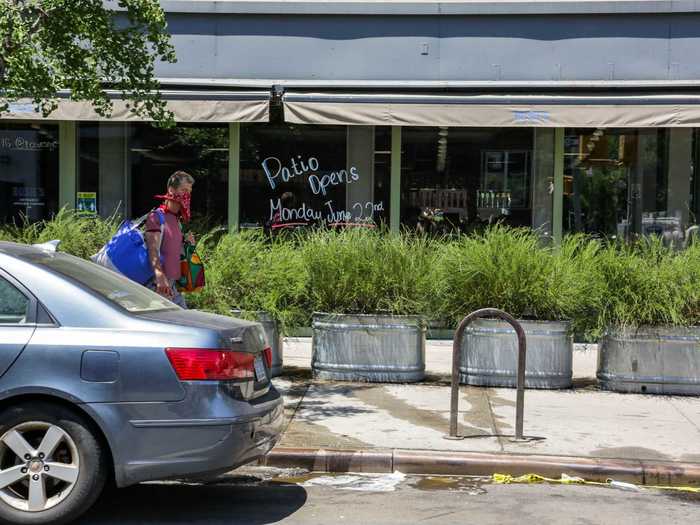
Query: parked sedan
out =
(101, 378)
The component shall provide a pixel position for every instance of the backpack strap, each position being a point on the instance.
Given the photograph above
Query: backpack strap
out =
(136, 223)
(161, 219)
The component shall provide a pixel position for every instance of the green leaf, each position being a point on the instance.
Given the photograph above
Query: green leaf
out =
(87, 47)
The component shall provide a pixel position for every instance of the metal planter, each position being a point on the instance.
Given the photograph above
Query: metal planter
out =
(273, 336)
(372, 348)
(489, 354)
(651, 360)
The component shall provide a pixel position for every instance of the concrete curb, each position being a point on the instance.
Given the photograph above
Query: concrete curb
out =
(645, 472)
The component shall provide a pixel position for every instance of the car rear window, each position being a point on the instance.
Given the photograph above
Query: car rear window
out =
(110, 285)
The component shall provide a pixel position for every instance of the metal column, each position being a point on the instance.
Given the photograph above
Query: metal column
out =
(234, 175)
(558, 197)
(67, 164)
(395, 200)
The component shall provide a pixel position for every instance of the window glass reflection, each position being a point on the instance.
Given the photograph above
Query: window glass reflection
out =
(199, 149)
(28, 171)
(619, 183)
(465, 178)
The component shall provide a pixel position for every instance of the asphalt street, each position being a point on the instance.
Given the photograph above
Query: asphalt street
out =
(255, 497)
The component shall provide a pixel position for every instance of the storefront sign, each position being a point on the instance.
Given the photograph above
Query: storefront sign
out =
(531, 117)
(358, 212)
(24, 144)
(21, 107)
(28, 196)
(277, 173)
(274, 170)
(87, 203)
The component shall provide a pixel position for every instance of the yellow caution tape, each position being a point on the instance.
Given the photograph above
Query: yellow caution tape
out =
(506, 479)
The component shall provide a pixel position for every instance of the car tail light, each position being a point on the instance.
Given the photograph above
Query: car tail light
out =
(268, 356)
(211, 364)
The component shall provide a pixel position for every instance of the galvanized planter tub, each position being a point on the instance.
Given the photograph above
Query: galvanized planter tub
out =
(373, 348)
(651, 360)
(489, 354)
(273, 336)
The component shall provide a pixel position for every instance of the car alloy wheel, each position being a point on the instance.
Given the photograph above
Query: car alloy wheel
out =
(39, 466)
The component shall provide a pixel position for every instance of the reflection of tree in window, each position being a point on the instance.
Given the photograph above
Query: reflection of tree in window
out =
(613, 179)
(28, 171)
(599, 176)
(200, 150)
(13, 305)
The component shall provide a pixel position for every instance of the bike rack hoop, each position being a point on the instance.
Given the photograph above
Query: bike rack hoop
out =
(522, 349)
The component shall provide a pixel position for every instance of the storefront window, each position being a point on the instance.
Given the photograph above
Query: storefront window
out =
(382, 173)
(296, 176)
(201, 150)
(625, 183)
(28, 171)
(462, 178)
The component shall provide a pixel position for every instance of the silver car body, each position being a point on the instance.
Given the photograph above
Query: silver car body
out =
(80, 349)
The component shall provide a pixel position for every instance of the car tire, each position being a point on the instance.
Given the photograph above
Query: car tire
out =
(68, 480)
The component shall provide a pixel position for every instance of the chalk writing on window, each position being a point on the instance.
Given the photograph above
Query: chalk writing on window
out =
(320, 182)
(23, 144)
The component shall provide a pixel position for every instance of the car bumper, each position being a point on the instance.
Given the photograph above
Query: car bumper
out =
(147, 449)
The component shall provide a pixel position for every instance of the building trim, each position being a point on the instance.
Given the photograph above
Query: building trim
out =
(441, 8)
(631, 99)
(496, 85)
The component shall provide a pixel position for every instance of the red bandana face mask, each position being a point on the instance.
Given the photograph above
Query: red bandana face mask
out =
(181, 197)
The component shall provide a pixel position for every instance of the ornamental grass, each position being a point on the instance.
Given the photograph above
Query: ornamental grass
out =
(592, 283)
(512, 270)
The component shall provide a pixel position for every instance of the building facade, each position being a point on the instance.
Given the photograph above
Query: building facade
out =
(563, 116)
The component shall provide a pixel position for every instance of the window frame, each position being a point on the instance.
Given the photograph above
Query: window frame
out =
(84, 287)
(33, 307)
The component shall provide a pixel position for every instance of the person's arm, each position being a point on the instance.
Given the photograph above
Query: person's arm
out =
(153, 242)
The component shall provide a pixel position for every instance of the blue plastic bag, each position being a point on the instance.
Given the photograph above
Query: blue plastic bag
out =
(127, 252)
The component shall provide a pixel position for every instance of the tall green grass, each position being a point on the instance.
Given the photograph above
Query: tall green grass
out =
(79, 235)
(511, 270)
(244, 271)
(593, 284)
(647, 283)
(360, 271)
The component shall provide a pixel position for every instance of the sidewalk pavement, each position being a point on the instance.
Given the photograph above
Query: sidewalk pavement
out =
(607, 433)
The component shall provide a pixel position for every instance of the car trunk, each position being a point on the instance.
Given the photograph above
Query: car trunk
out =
(234, 334)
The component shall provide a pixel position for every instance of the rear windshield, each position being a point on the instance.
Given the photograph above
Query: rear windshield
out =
(110, 285)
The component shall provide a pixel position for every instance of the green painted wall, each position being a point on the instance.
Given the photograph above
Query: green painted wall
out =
(234, 175)
(395, 200)
(67, 164)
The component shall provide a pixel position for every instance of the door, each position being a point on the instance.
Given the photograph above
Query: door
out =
(17, 323)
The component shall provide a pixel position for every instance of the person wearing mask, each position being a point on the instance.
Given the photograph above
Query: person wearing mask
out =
(164, 253)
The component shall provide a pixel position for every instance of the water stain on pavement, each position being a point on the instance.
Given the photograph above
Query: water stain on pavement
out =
(686, 497)
(473, 421)
(585, 383)
(629, 452)
(473, 486)
(294, 373)
(305, 412)
(309, 435)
